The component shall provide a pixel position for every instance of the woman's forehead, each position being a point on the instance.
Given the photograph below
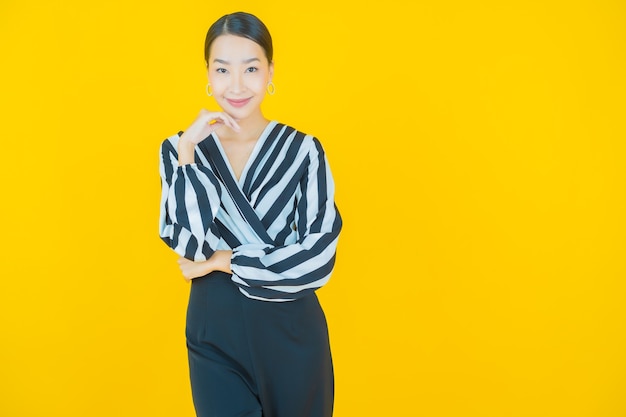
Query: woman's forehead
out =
(235, 49)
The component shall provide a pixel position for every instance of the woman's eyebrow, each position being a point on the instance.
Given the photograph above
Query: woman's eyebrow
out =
(245, 61)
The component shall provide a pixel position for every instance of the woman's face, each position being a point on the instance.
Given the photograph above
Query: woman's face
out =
(239, 74)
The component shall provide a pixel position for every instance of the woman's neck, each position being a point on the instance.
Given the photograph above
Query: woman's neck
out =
(251, 129)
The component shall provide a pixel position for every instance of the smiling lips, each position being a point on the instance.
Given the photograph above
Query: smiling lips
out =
(238, 102)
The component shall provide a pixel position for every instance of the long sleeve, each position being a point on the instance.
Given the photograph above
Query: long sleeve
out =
(190, 199)
(287, 272)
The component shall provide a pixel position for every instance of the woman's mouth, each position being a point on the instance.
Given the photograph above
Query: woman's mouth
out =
(238, 102)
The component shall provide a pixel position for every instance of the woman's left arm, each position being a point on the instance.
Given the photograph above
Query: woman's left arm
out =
(219, 261)
(289, 272)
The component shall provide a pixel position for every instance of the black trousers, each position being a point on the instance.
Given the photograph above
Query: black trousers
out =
(256, 358)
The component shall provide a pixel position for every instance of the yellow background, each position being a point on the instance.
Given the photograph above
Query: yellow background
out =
(478, 150)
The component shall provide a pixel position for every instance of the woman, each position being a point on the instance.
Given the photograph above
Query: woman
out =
(248, 204)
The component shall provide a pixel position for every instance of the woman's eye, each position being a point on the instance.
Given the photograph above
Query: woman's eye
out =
(221, 70)
(252, 69)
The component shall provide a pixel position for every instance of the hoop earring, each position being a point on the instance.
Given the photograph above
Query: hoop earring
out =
(208, 90)
(271, 88)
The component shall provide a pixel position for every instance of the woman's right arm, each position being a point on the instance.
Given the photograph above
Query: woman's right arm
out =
(190, 192)
(190, 198)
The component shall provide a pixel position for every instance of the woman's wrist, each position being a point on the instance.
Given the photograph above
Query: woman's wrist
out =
(220, 261)
(186, 151)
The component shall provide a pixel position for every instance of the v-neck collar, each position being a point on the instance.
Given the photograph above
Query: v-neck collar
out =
(219, 162)
(255, 151)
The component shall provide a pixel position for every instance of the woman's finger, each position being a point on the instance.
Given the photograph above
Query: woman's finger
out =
(229, 121)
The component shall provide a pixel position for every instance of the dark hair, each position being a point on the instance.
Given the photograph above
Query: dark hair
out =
(241, 24)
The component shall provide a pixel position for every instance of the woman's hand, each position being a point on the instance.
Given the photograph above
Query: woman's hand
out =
(206, 123)
(191, 269)
(219, 261)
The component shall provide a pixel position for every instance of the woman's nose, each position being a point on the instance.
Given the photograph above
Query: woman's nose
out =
(236, 83)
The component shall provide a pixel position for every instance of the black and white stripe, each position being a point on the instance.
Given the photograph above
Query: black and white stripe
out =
(279, 219)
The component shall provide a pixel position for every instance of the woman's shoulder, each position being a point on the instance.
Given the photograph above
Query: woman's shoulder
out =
(173, 139)
(292, 134)
(170, 144)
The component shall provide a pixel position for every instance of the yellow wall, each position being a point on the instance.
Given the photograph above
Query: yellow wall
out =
(478, 149)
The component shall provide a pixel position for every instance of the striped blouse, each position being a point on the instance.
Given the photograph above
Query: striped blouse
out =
(279, 218)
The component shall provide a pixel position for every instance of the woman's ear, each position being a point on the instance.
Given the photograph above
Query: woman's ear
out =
(271, 70)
